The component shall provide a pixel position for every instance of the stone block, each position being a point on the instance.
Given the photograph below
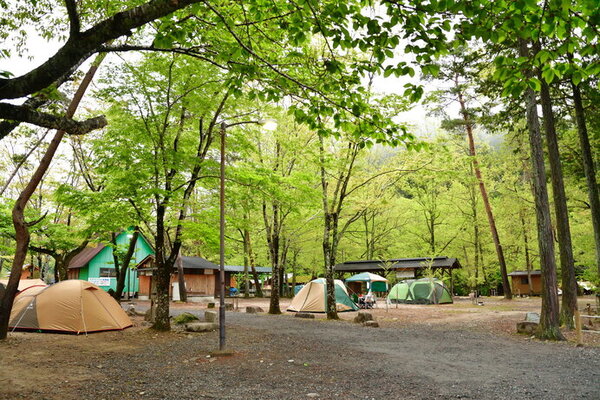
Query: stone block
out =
(363, 316)
(304, 315)
(228, 306)
(532, 317)
(201, 327)
(371, 324)
(254, 310)
(526, 327)
(210, 305)
(211, 316)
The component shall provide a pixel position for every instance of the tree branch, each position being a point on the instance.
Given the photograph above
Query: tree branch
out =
(87, 43)
(75, 26)
(70, 126)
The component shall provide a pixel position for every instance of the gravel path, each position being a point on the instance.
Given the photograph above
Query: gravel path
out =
(280, 357)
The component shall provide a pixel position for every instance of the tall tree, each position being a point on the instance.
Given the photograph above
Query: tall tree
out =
(22, 235)
(549, 318)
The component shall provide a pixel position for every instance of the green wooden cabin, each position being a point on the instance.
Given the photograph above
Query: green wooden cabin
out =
(96, 265)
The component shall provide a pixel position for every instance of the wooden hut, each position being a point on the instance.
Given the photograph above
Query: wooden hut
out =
(520, 282)
(200, 275)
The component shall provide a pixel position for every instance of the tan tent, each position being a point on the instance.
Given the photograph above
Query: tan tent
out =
(312, 298)
(25, 283)
(69, 306)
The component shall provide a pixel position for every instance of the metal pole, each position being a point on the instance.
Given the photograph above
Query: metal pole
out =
(222, 243)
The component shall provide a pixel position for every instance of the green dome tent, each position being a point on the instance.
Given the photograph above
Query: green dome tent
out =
(311, 298)
(420, 291)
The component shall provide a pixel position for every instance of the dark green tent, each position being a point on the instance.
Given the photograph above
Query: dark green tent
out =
(420, 291)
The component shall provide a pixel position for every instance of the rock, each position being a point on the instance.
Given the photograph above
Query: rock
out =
(304, 315)
(148, 315)
(211, 316)
(201, 327)
(371, 324)
(254, 310)
(210, 305)
(532, 317)
(228, 306)
(312, 395)
(363, 316)
(526, 327)
(184, 318)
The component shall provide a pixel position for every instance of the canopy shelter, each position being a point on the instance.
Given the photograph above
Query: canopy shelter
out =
(73, 306)
(420, 291)
(313, 298)
(375, 283)
(404, 268)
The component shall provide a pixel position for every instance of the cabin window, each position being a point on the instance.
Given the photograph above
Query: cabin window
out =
(524, 280)
(108, 273)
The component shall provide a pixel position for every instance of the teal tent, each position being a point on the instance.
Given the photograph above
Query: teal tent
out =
(375, 283)
(420, 291)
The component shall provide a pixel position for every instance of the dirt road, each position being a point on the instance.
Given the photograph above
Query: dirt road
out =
(281, 357)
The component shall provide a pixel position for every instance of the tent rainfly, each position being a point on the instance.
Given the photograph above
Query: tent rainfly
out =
(420, 291)
(312, 298)
(25, 283)
(375, 283)
(73, 306)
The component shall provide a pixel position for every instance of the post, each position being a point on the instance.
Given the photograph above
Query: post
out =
(222, 242)
(578, 327)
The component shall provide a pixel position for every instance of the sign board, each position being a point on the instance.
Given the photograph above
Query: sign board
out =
(208, 271)
(405, 273)
(100, 281)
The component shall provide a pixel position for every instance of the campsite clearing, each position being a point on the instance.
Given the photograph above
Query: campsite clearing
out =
(437, 351)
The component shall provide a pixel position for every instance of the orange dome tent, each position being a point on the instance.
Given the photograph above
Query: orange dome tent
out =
(74, 306)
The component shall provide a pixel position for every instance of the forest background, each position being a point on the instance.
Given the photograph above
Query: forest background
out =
(354, 170)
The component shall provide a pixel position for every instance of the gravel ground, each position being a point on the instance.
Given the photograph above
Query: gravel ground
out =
(281, 357)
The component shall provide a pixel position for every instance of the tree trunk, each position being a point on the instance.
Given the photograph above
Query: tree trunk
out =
(589, 169)
(484, 196)
(259, 292)
(121, 267)
(22, 236)
(181, 279)
(527, 257)
(549, 318)
(246, 264)
(163, 275)
(569, 285)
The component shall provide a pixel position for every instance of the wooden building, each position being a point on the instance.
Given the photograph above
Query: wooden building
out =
(520, 282)
(403, 268)
(200, 275)
(96, 264)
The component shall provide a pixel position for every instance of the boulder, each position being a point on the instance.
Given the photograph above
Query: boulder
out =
(526, 327)
(371, 324)
(210, 305)
(304, 315)
(532, 317)
(363, 316)
(185, 318)
(254, 310)
(201, 327)
(228, 306)
(211, 316)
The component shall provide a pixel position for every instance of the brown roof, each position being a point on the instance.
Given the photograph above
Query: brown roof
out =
(84, 257)
(524, 273)
(398, 263)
